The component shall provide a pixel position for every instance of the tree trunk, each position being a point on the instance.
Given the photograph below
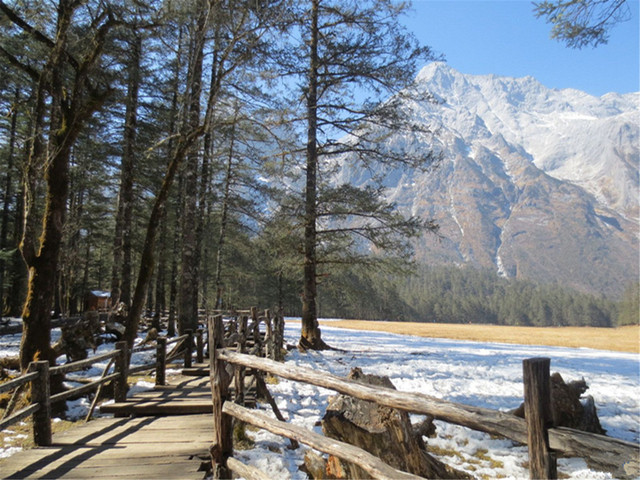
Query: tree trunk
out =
(67, 117)
(121, 286)
(310, 336)
(173, 286)
(6, 198)
(159, 305)
(147, 260)
(188, 288)
(192, 131)
(42, 263)
(222, 235)
(384, 432)
(18, 270)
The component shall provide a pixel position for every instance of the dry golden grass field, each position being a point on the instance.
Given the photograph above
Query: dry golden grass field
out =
(622, 339)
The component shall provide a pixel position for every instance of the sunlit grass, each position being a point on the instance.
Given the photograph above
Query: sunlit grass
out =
(621, 339)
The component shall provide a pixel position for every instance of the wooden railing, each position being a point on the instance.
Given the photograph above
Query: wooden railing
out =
(39, 376)
(610, 454)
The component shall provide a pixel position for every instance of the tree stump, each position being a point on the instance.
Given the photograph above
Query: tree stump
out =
(384, 432)
(566, 407)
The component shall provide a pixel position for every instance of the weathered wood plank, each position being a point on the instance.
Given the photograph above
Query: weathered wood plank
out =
(120, 448)
(185, 407)
(188, 469)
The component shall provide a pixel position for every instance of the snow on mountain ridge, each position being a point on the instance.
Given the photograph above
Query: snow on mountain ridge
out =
(570, 135)
(533, 183)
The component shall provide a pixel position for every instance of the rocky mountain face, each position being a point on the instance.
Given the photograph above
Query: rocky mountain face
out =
(534, 183)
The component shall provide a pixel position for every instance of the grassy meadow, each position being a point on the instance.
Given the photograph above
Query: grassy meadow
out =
(621, 339)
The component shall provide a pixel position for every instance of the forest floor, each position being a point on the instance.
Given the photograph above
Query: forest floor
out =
(621, 339)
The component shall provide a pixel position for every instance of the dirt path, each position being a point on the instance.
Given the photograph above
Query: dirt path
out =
(622, 339)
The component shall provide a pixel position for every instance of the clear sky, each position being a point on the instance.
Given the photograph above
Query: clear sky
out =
(505, 38)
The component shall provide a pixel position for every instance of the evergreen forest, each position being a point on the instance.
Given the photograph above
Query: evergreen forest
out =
(468, 295)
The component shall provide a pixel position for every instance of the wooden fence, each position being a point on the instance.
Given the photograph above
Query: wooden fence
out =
(39, 376)
(610, 454)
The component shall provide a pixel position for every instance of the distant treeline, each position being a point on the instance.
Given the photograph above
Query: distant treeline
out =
(467, 295)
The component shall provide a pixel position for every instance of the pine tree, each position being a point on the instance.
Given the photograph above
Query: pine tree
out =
(580, 23)
(347, 48)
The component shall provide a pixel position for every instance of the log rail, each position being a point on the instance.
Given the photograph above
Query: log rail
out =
(610, 454)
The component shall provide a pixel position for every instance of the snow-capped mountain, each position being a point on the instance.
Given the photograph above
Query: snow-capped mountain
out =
(534, 182)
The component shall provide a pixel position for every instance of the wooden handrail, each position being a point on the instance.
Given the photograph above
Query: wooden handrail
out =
(17, 382)
(246, 471)
(81, 364)
(19, 415)
(83, 389)
(368, 462)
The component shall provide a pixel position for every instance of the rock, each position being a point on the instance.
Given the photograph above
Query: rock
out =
(382, 431)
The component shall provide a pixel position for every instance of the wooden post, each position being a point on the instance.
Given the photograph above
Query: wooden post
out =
(269, 339)
(257, 339)
(199, 346)
(161, 361)
(122, 368)
(278, 327)
(222, 447)
(188, 348)
(537, 408)
(41, 394)
(240, 348)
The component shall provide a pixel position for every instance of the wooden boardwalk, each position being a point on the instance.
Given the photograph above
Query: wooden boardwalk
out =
(172, 443)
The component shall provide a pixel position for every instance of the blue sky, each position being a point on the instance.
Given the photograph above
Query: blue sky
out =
(505, 38)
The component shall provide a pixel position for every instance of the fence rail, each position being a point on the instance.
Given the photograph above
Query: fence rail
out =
(614, 455)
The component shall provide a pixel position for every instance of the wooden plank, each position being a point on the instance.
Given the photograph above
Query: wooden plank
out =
(50, 459)
(119, 448)
(105, 455)
(196, 371)
(177, 470)
(184, 407)
(99, 432)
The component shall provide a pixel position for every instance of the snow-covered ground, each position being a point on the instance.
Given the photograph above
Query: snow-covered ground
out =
(482, 374)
